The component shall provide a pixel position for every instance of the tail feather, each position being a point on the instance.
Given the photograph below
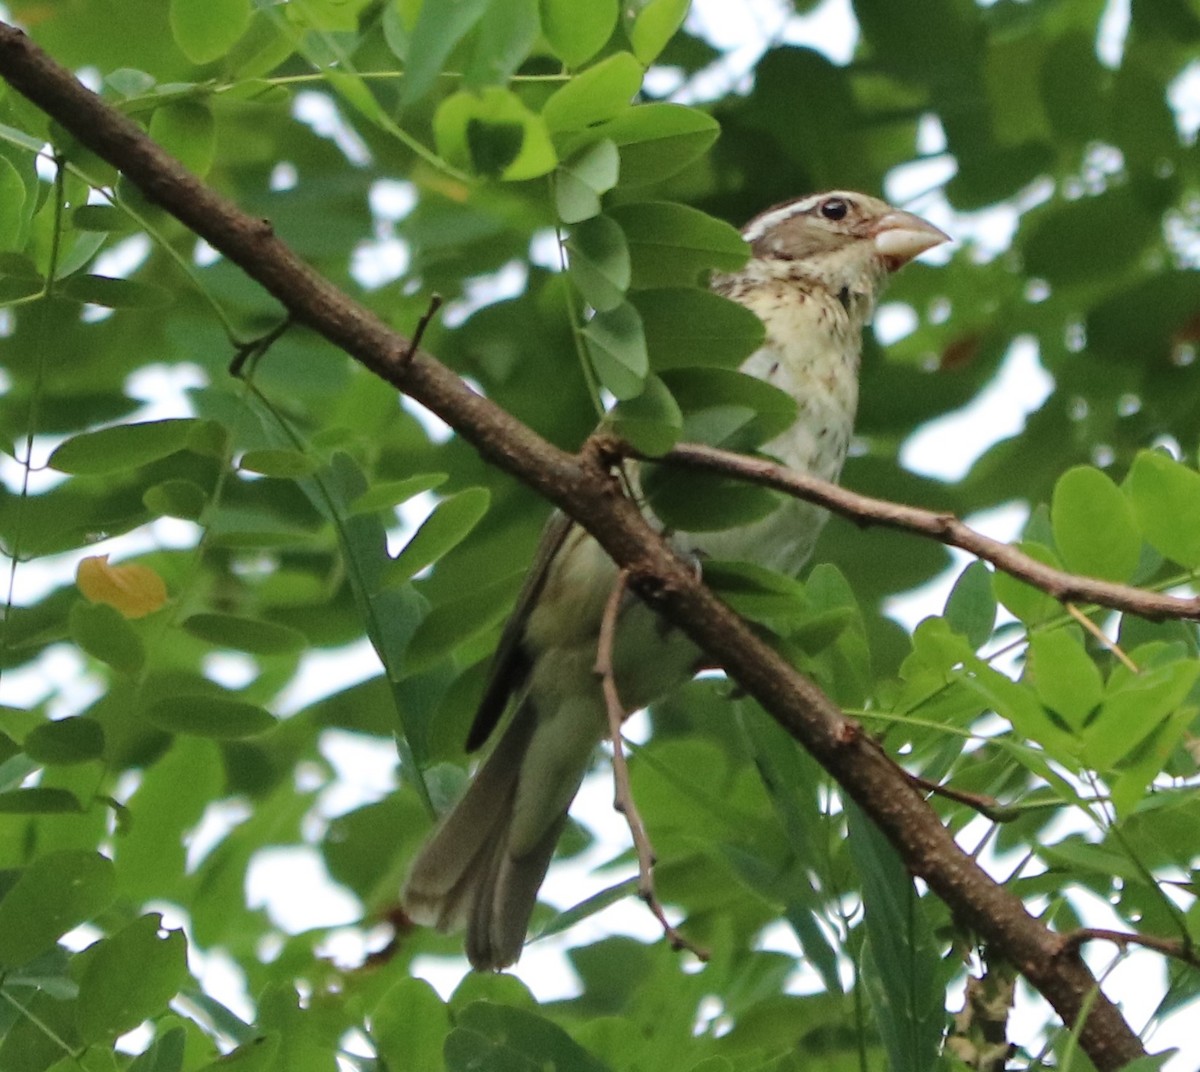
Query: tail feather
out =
(465, 875)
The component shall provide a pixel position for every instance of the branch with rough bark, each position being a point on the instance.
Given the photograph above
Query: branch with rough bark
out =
(582, 487)
(945, 528)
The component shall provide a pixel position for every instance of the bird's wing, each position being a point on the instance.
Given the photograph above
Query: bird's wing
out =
(510, 663)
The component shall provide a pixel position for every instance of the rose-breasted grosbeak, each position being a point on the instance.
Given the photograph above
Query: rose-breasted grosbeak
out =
(817, 267)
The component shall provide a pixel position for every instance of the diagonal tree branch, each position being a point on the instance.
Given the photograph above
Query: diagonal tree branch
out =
(581, 486)
(945, 528)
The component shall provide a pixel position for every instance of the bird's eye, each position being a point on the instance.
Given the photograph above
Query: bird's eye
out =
(835, 208)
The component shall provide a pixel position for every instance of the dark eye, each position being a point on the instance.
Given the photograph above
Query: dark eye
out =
(834, 209)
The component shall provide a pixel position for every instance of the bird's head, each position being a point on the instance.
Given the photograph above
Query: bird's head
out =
(841, 239)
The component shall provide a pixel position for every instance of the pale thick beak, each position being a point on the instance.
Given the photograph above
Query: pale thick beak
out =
(900, 236)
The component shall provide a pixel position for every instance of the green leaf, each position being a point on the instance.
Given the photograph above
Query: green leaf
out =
(492, 146)
(393, 493)
(818, 631)
(205, 30)
(38, 801)
(493, 134)
(1066, 680)
(729, 409)
(187, 131)
(1090, 238)
(105, 634)
(1094, 525)
(672, 244)
(487, 1035)
(650, 24)
(176, 498)
(123, 447)
(650, 422)
(971, 605)
(688, 326)
(103, 218)
(1143, 123)
(12, 204)
(692, 501)
(129, 977)
(506, 35)
(151, 855)
(245, 634)
(18, 266)
(578, 31)
(1133, 707)
(580, 182)
(599, 262)
(596, 95)
(130, 82)
(902, 965)
(762, 595)
(438, 29)
(453, 622)
(258, 1055)
(443, 530)
(209, 716)
(1020, 706)
(409, 1026)
(1030, 604)
(65, 741)
(617, 348)
(114, 293)
(165, 1052)
(1166, 502)
(658, 140)
(284, 464)
(57, 892)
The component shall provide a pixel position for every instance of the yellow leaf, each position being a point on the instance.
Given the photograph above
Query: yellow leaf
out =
(133, 590)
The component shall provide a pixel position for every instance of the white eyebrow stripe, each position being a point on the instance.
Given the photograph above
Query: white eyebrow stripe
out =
(759, 226)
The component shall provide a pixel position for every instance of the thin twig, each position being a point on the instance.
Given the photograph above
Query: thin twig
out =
(255, 348)
(622, 792)
(1103, 640)
(943, 527)
(1169, 947)
(988, 807)
(435, 303)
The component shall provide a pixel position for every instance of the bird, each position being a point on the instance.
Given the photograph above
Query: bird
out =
(816, 268)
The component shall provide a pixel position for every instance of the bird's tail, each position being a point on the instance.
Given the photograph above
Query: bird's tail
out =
(466, 874)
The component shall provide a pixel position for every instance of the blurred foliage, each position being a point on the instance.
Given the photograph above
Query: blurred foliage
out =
(473, 149)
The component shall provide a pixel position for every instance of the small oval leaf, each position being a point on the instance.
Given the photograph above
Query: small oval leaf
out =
(65, 741)
(56, 893)
(452, 519)
(103, 632)
(284, 464)
(670, 244)
(122, 447)
(1166, 502)
(616, 345)
(245, 634)
(210, 716)
(1094, 525)
(113, 293)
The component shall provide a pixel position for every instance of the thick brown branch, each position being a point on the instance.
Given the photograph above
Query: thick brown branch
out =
(584, 491)
(945, 528)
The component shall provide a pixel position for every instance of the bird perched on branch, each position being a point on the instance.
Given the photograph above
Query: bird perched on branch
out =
(816, 269)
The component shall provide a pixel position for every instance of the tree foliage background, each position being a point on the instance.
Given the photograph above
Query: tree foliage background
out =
(474, 143)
